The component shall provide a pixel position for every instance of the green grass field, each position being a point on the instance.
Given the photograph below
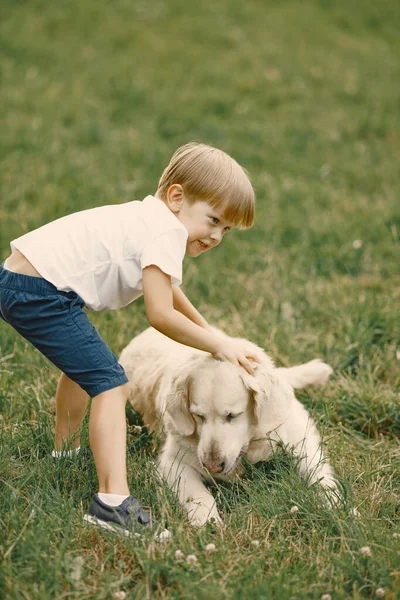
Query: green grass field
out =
(305, 94)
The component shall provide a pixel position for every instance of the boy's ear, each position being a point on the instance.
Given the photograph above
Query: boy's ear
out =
(175, 197)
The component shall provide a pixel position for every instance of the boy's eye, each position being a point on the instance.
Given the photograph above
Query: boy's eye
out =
(215, 220)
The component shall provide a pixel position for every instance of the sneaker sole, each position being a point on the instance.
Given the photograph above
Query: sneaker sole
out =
(162, 537)
(108, 526)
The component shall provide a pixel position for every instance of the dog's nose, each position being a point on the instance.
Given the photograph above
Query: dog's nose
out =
(215, 467)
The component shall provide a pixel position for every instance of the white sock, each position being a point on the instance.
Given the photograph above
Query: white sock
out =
(65, 453)
(112, 499)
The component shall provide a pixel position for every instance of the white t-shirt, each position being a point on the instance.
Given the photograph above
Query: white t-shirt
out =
(100, 253)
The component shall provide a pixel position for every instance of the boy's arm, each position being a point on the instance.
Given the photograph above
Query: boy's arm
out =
(184, 306)
(161, 314)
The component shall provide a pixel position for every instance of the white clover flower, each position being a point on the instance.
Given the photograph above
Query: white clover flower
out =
(137, 429)
(255, 543)
(210, 548)
(326, 597)
(179, 555)
(324, 171)
(119, 595)
(357, 244)
(76, 569)
(294, 509)
(164, 536)
(191, 559)
(380, 592)
(366, 551)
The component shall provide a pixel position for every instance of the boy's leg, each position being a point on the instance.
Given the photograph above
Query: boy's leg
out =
(71, 403)
(107, 430)
(113, 505)
(66, 337)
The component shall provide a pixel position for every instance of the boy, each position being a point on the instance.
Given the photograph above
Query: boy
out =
(107, 257)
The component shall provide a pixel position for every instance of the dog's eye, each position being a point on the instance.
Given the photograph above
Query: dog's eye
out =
(230, 417)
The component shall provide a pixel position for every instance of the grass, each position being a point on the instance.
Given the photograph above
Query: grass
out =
(95, 98)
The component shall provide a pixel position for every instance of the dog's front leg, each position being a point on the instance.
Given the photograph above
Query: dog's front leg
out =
(188, 484)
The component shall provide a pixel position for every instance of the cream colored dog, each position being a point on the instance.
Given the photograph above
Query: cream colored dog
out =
(213, 413)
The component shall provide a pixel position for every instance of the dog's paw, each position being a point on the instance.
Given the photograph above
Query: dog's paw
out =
(319, 372)
(314, 372)
(201, 516)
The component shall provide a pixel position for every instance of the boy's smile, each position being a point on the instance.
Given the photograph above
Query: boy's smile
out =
(205, 224)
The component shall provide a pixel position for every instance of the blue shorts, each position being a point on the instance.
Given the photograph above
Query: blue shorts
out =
(55, 323)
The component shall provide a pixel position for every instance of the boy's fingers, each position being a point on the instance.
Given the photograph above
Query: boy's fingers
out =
(247, 365)
(256, 356)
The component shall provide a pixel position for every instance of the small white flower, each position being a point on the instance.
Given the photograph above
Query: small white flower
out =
(287, 311)
(326, 597)
(137, 429)
(119, 595)
(76, 568)
(380, 592)
(164, 536)
(324, 171)
(396, 535)
(210, 548)
(366, 551)
(255, 543)
(191, 559)
(357, 244)
(179, 555)
(294, 509)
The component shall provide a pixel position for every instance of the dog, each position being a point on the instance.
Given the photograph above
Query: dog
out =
(213, 412)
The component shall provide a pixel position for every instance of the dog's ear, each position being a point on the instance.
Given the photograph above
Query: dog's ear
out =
(271, 396)
(177, 404)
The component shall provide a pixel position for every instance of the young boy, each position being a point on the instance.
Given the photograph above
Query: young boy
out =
(106, 257)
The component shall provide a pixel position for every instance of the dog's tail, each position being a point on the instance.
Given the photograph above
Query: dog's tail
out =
(314, 372)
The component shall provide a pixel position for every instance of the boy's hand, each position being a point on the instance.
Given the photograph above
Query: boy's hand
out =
(161, 314)
(236, 352)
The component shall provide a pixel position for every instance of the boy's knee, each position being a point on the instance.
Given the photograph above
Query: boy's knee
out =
(117, 393)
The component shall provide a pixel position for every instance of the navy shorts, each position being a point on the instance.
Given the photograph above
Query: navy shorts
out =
(55, 323)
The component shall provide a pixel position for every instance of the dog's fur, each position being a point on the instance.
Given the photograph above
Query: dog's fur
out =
(213, 413)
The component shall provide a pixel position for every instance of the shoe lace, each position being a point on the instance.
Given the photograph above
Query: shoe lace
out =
(141, 515)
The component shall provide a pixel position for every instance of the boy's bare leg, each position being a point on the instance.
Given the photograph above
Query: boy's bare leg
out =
(71, 403)
(107, 431)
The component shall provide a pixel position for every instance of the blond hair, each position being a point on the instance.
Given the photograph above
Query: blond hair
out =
(208, 174)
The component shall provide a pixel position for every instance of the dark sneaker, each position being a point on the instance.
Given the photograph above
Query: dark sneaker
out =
(128, 518)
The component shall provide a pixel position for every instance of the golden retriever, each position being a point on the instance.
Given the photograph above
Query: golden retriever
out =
(213, 413)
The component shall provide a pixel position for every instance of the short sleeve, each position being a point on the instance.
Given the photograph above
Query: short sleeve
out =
(166, 251)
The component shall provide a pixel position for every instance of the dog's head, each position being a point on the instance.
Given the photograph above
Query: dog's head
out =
(218, 406)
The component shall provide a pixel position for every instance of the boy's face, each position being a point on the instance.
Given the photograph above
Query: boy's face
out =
(206, 226)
